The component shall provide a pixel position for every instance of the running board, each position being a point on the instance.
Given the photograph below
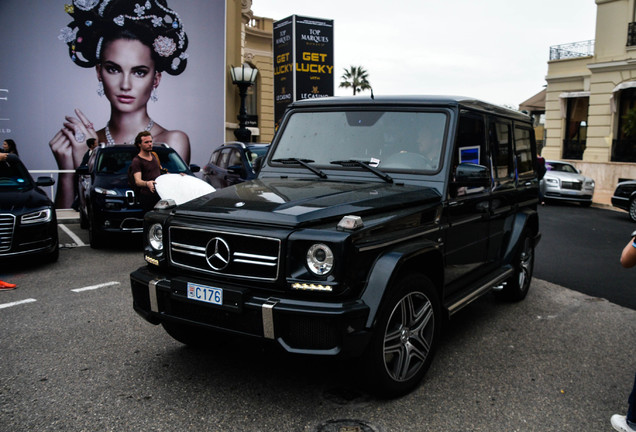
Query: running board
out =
(482, 288)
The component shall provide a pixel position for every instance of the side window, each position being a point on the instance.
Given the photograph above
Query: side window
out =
(470, 146)
(235, 158)
(501, 145)
(225, 155)
(523, 151)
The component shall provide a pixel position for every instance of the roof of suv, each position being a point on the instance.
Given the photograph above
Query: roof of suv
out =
(411, 100)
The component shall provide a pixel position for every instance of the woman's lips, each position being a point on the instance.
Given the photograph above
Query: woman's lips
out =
(125, 99)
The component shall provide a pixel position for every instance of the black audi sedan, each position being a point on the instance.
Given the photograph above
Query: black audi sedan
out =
(624, 197)
(28, 225)
(107, 204)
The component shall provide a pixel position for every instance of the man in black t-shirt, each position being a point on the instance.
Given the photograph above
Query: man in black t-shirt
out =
(145, 168)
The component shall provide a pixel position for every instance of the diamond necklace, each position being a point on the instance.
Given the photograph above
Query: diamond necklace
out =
(109, 137)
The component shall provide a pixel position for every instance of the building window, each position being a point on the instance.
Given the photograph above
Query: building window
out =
(575, 128)
(624, 146)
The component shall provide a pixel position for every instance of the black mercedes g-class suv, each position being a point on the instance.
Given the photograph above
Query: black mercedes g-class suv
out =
(370, 223)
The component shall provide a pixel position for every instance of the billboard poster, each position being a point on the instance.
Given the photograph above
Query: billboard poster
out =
(283, 66)
(76, 69)
(314, 58)
(303, 60)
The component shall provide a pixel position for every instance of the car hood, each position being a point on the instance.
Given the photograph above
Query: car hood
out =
(22, 201)
(293, 202)
(111, 181)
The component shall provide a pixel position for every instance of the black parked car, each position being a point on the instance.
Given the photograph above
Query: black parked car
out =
(107, 204)
(625, 197)
(232, 163)
(371, 222)
(28, 224)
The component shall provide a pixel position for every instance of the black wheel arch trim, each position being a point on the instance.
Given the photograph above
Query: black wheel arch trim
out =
(387, 266)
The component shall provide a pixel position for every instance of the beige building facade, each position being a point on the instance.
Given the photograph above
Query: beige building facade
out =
(249, 41)
(590, 107)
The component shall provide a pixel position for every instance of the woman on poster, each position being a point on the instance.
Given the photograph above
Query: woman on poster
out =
(130, 45)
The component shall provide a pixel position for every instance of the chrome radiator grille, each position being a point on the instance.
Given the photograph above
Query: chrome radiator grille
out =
(7, 225)
(230, 254)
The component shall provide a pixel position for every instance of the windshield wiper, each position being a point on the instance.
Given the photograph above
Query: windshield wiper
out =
(353, 162)
(302, 162)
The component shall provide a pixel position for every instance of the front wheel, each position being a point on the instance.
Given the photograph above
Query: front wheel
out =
(405, 338)
(632, 209)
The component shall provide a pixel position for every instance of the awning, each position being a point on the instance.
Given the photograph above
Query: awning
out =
(621, 86)
(535, 103)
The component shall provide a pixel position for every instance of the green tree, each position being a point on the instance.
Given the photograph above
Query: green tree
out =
(357, 78)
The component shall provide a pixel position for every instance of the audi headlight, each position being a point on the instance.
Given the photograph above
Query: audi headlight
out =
(39, 216)
(320, 259)
(155, 237)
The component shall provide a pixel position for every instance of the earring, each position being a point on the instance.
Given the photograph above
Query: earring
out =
(153, 95)
(100, 88)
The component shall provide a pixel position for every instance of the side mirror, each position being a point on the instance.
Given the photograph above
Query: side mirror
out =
(195, 168)
(82, 170)
(472, 175)
(45, 181)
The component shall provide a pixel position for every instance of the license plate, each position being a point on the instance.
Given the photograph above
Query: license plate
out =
(205, 293)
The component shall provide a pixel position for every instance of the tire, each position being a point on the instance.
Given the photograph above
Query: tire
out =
(632, 209)
(52, 257)
(95, 238)
(83, 220)
(405, 338)
(518, 285)
(190, 335)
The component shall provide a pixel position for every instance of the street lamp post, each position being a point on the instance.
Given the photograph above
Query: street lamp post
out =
(243, 76)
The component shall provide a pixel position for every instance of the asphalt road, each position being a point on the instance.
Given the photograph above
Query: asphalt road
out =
(580, 249)
(75, 357)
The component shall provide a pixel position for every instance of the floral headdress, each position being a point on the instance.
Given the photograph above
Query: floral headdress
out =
(152, 22)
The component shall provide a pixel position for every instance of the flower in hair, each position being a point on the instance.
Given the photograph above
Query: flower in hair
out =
(164, 46)
(67, 34)
(157, 21)
(69, 9)
(119, 20)
(86, 5)
(139, 10)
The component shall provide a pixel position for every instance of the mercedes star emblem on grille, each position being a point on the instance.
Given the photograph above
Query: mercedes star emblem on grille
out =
(217, 253)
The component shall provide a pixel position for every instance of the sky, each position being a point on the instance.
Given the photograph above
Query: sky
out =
(494, 50)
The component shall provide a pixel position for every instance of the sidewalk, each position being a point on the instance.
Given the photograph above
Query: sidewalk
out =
(67, 215)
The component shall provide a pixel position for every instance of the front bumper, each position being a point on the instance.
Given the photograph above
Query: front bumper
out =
(299, 326)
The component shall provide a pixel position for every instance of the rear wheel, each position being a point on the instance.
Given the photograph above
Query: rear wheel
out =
(517, 287)
(405, 338)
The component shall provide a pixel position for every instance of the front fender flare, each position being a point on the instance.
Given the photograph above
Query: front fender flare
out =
(384, 270)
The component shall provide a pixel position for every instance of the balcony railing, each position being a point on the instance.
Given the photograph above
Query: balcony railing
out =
(572, 50)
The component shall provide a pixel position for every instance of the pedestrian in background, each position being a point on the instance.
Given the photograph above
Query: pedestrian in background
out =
(8, 146)
(619, 422)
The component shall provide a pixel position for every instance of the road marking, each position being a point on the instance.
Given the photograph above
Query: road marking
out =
(6, 305)
(72, 235)
(94, 287)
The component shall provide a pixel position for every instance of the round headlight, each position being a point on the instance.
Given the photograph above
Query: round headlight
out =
(320, 259)
(155, 237)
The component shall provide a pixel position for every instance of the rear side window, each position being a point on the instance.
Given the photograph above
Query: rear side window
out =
(501, 144)
(523, 151)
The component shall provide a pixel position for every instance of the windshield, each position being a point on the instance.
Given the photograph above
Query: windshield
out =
(118, 161)
(561, 167)
(13, 175)
(389, 140)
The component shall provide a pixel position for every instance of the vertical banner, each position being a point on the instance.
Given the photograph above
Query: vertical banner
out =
(303, 61)
(283, 67)
(314, 58)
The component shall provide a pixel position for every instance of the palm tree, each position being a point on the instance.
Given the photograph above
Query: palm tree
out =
(355, 77)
